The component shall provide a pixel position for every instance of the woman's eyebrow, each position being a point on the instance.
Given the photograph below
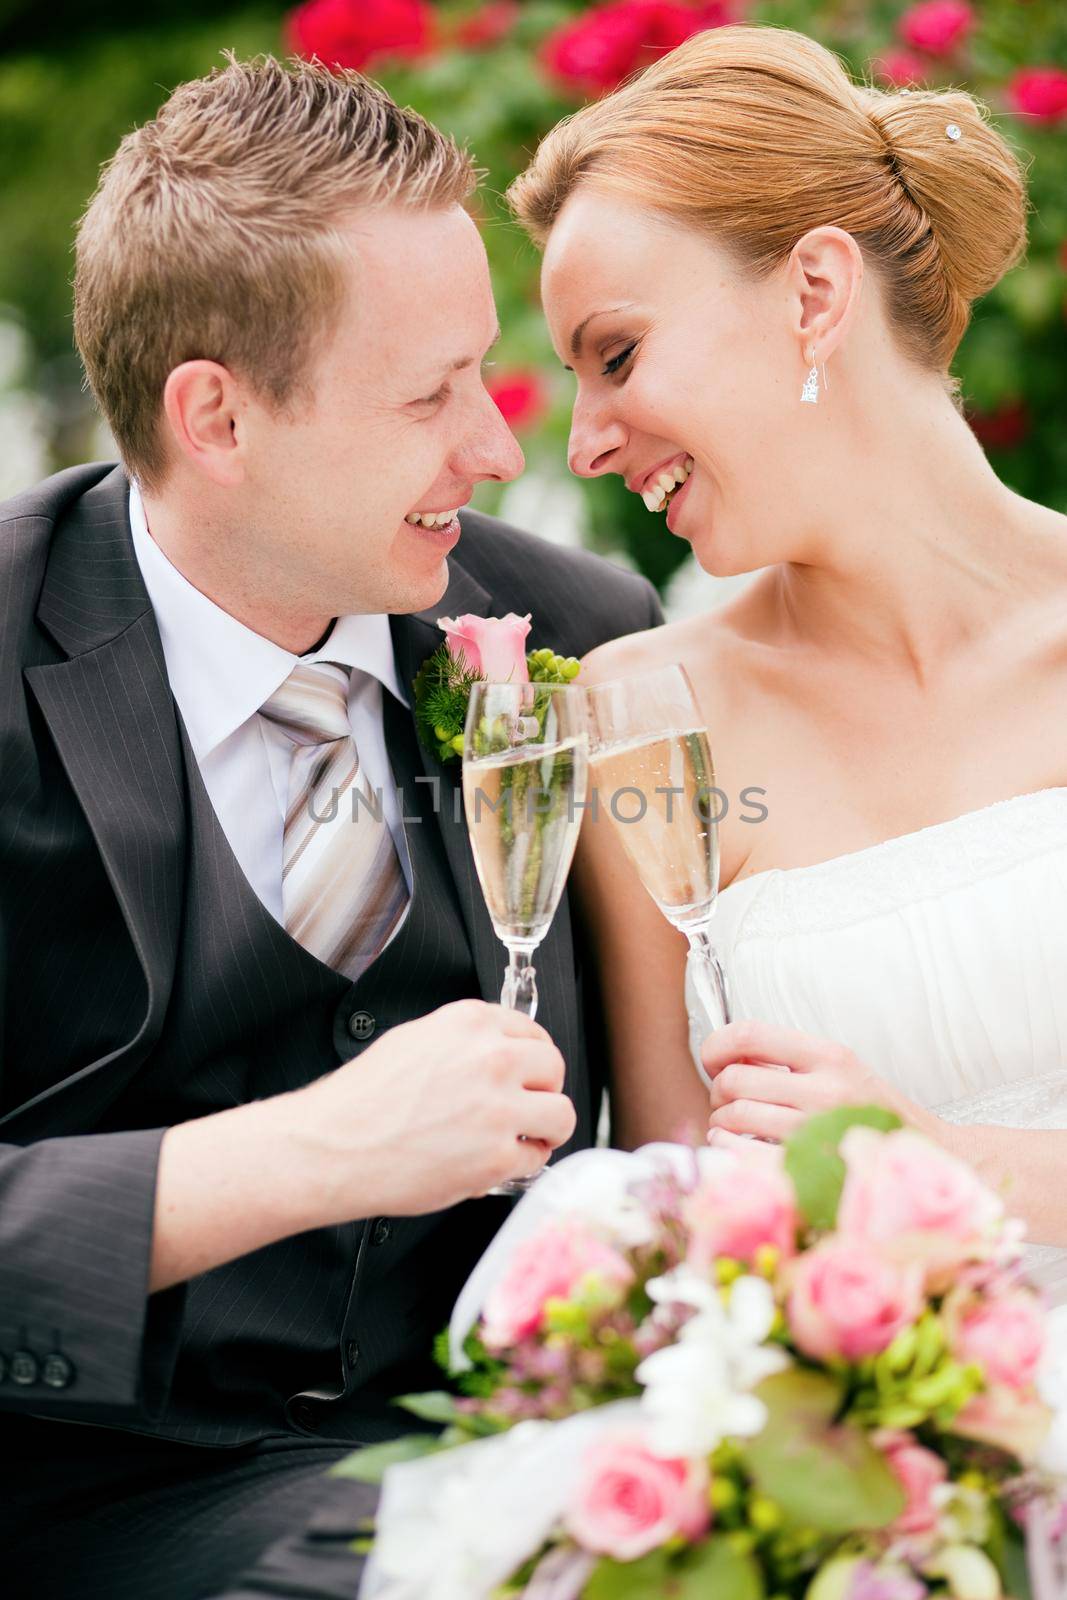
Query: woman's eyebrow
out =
(576, 336)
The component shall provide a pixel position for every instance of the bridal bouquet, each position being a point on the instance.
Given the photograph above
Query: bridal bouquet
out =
(813, 1373)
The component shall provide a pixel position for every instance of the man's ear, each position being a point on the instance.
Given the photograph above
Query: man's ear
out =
(201, 404)
(825, 273)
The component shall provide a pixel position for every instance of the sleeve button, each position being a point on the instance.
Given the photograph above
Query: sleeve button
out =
(25, 1368)
(382, 1231)
(58, 1371)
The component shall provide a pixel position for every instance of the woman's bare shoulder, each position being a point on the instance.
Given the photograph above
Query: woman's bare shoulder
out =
(685, 643)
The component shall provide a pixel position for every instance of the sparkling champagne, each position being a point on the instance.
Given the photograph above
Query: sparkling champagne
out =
(658, 789)
(523, 811)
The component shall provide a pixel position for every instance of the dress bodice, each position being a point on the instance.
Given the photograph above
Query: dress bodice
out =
(939, 957)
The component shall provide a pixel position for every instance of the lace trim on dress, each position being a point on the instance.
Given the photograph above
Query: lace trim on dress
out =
(926, 864)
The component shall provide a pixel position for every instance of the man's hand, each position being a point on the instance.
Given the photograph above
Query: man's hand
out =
(435, 1112)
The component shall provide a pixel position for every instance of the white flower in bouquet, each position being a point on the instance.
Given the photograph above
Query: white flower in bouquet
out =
(455, 1525)
(698, 1390)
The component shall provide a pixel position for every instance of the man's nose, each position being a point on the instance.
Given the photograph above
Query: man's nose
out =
(594, 443)
(493, 451)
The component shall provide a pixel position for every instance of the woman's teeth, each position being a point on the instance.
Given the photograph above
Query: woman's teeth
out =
(657, 493)
(431, 519)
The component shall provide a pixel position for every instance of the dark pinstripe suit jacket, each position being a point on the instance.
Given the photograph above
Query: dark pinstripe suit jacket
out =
(101, 809)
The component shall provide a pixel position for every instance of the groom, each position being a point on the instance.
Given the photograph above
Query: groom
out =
(251, 1094)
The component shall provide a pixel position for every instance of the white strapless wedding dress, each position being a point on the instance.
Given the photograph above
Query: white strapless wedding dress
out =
(939, 957)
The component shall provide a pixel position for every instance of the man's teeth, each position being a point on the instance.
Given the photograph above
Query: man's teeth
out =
(659, 491)
(431, 519)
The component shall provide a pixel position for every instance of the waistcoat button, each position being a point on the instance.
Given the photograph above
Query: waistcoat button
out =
(361, 1025)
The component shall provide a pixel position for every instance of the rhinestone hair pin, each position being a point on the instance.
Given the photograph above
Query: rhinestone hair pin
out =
(954, 131)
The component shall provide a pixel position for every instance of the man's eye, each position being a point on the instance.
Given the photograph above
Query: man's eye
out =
(435, 399)
(618, 362)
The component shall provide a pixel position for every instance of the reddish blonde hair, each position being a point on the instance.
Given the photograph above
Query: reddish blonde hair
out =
(757, 134)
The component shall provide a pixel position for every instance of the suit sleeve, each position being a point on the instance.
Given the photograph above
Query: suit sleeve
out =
(80, 1337)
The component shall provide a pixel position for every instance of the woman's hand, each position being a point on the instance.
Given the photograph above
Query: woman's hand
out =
(767, 1080)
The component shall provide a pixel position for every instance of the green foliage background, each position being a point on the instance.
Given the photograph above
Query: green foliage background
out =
(75, 78)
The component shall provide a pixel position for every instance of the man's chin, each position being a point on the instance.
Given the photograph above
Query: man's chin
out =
(423, 591)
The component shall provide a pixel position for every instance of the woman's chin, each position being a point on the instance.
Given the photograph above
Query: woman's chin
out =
(715, 557)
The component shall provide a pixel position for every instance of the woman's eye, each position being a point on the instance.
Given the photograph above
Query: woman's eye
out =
(618, 362)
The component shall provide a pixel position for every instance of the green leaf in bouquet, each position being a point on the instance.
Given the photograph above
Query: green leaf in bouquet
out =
(823, 1473)
(713, 1570)
(437, 1405)
(1007, 1550)
(370, 1464)
(816, 1167)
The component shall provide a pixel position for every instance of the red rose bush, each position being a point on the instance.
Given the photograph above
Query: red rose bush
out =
(809, 1374)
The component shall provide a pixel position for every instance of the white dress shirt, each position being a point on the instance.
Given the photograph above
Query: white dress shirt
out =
(221, 673)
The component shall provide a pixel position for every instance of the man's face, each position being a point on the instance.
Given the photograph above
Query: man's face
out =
(399, 424)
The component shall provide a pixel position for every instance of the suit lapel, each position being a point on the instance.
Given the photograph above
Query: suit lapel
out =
(110, 712)
(414, 638)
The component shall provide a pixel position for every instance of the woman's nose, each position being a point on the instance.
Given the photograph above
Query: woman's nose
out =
(594, 444)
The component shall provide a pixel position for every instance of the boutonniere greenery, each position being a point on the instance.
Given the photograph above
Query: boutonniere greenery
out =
(476, 650)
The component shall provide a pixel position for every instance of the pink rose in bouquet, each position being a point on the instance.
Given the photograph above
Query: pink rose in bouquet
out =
(549, 1265)
(1005, 1336)
(493, 648)
(1003, 1417)
(630, 1501)
(739, 1207)
(846, 1300)
(920, 1472)
(915, 1202)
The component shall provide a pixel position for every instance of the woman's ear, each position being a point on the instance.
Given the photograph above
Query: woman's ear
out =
(825, 273)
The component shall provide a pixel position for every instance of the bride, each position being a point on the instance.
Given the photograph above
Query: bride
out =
(760, 271)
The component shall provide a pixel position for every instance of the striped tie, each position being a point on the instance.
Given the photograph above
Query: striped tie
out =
(343, 888)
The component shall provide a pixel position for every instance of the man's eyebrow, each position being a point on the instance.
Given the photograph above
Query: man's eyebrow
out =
(468, 361)
(576, 336)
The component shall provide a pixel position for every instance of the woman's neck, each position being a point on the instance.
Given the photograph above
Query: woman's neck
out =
(924, 552)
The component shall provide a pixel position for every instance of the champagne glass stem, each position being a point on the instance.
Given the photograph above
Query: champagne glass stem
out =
(708, 976)
(519, 994)
(520, 980)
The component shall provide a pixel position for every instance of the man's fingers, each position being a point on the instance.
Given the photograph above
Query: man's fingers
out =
(517, 1025)
(767, 1043)
(539, 1064)
(772, 1085)
(755, 1117)
(548, 1117)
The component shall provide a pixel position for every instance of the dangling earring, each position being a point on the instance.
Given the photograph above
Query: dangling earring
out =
(809, 395)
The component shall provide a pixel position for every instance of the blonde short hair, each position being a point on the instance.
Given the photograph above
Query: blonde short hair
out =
(756, 135)
(213, 232)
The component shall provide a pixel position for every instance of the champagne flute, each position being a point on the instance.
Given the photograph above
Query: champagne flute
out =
(651, 764)
(525, 774)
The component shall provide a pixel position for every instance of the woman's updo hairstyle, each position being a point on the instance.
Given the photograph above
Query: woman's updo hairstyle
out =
(756, 135)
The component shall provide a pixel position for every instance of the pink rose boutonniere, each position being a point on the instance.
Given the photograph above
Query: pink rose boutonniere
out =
(477, 650)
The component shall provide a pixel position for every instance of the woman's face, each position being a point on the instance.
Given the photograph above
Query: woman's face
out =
(683, 357)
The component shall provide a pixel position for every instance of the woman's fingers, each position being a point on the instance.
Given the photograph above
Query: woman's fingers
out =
(774, 1085)
(766, 1042)
(758, 1118)
(752, 1149)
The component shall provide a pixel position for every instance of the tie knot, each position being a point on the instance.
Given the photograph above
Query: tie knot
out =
(311, 706)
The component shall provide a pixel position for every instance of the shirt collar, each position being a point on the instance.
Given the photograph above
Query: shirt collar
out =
(220, 671)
